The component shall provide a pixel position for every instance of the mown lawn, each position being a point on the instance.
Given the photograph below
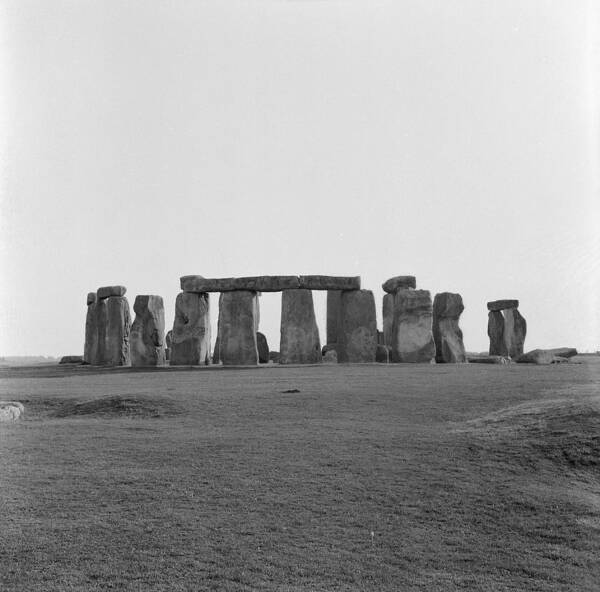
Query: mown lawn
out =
(400, 477)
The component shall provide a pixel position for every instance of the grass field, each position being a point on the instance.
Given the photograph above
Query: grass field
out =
(375, 477)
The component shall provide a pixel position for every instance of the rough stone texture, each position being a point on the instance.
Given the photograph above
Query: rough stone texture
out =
(383, 353)
(541, 357)
(147, 332)
(564, 352)
(488, 360)
(190, 339)
(357, 329)
(215, 356)
(114, 326)
(448, 338)
(263, 348)
(274, 357)
(330, 357)
(108, 291)
(71, 360)
(238, 323)
(380, 338)
(168, 343)
(328, 282)
(300, 343)
(388, 318)
(515, 330)
(497, 305)
(11, 410)
(496, 333)
(333, 314)
(266, 283)
(90, 347)
(91, 297)
(412, 337)
(400, 282)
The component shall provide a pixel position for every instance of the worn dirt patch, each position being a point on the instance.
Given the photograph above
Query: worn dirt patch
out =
(117, 405)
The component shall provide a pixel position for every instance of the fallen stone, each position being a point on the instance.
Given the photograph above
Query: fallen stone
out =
(497, 305)
(448, 338)
(333, 314)
(300, 343)
(541, 357)
(515, 330)
(400, 282)
(147, 332)
(238, 323)
(383, 353)
(92, 297)
(328, 282)
(114, 327)
(263, 348)
(412, 336)
(190, 338)
(266, 283)
(330, 357)
(488, 360)
(564, 352)
(388, 318)
(496, 334)
(357, 329)
(11, 410)
(107, 291)
(71, 360)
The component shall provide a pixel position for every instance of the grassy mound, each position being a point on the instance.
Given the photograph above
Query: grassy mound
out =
(119, 405)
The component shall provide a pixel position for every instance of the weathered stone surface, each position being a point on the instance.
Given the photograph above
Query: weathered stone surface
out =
(448, 338)
(92, 297)
(90, 347)
(265, 283)
(497, 305)
(107, 291)
(329, 282)
(333, 314)
(488, 360)
(274, 357)
(541, 357)
(190, 339)
(114, 326)
(238, 323)
(380, 338)
(215, 356)
(300, 343)
(330, 357)
(71, 360)
(400, 282)
(168, 343)
(147, 332)
(388, 318)
(564, 352)
(496, 333)
(383, 353)
(11, 410)
(263, 348)
(357, 329)
(515, 330)
(412, 337)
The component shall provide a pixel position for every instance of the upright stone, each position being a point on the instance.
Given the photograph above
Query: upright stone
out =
(388, 318)
(114, 326)
(357, 328)
(191, 330)
(147, 332)
(238, 323)
(412, 337)
(449, 346)
(168, 343)
(496, 333)
(515, 330)
(263, 348)
(333, 314)
(90, 348)
(300, 342)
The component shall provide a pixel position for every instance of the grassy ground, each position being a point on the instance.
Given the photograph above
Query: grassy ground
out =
(400, 477)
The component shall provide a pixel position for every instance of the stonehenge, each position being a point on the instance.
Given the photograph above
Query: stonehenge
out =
(238, 324)
(300, 342)
(506, 328)
(357, 327)
(147, 342)
(190, 339)
(448, 338)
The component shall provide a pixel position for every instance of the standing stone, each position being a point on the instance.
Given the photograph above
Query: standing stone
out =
(238, 322)
(333, 314)
(388, 318)
(412, 337)
(191, 330)
(114, 326)
(215, 357)
(448, 337)
(382, 354)
(496, 333)
(263, 348)
(168, 343)
(357, 328)
(90, 348)
(515, 329)
(147, 332)
(300, 342)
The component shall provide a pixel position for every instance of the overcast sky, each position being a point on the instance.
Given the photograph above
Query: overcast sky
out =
(457, 141)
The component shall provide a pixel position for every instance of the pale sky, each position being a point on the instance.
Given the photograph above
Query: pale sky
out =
(457, 141)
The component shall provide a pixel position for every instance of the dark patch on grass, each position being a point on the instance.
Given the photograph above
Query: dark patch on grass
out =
(117, 405)
(291, 391)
